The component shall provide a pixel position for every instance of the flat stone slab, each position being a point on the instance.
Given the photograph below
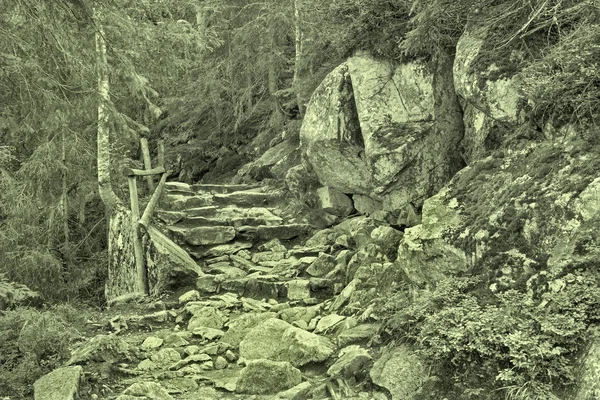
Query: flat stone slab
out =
(220, 250)
(283, 232)
(60, 384)
(247, 199)
(216, 188)
(204, 235)
(178, 202)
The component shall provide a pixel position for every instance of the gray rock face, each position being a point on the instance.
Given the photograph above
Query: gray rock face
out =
(488, 103)
(330, 135)
(267, 377)
(60, 384)
(400, 372)
(385, 147)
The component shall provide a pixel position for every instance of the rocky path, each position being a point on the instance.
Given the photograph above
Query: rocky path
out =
(272, 317)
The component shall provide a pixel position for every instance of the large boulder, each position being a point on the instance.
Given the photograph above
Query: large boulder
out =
(491, 102)
(330, 135)
(386, 132)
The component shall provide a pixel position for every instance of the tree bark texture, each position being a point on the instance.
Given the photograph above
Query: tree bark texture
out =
(108, 196)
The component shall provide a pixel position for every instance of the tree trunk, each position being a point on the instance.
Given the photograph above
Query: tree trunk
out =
(298, 58)
(65, 209)
(108, 196)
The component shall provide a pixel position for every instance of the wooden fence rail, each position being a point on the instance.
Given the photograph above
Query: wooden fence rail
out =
(137, 223)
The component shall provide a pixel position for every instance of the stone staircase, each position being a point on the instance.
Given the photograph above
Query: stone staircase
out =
(272, 317)
(243, 240)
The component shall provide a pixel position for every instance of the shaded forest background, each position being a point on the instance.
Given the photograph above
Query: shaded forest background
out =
(217, 80)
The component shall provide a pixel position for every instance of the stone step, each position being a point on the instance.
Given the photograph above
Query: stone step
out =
(248, 199)
(226, 216)
(203, 235)
(179, 202)
(209, 187)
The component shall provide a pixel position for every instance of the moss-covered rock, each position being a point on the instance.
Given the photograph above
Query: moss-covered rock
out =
(267, 377)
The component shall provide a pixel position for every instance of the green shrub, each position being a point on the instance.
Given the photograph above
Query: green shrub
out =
(33, 344)
(511, 344)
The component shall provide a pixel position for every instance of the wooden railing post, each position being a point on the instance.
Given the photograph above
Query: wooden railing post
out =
(161, 153)
(147, 162)
(141, 273)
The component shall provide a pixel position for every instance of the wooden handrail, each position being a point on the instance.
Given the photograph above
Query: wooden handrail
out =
(147, 162)
(145, 221)
(144, 172)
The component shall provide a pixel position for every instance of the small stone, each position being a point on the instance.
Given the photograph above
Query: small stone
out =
(194, 359)
(280, 306)
(192, 295)
(191, 350)
(212, 349)
(230, 356)
(328, 322)
(192, 369)
(175, 340)
(400, 371)
(208, 317)
(300, 324)
(220, 363)
(351, 362)
(272, 245)
(208, 333)
(298, 289)
(166, 357)
(151, 343)
(148, 390)
(207, 283)
(312, 325)
(298, 392)
(335, 202)
(207, 366)
(239, 327)
(322, 265)
(147, 365)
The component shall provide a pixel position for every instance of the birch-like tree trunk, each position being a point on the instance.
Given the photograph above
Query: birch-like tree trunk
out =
(108, 196)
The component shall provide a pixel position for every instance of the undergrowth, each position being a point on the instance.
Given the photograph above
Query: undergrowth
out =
(33, 344)
(511, 344)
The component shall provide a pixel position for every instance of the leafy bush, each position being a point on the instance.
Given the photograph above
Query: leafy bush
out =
(33, 344)
(505, 345)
